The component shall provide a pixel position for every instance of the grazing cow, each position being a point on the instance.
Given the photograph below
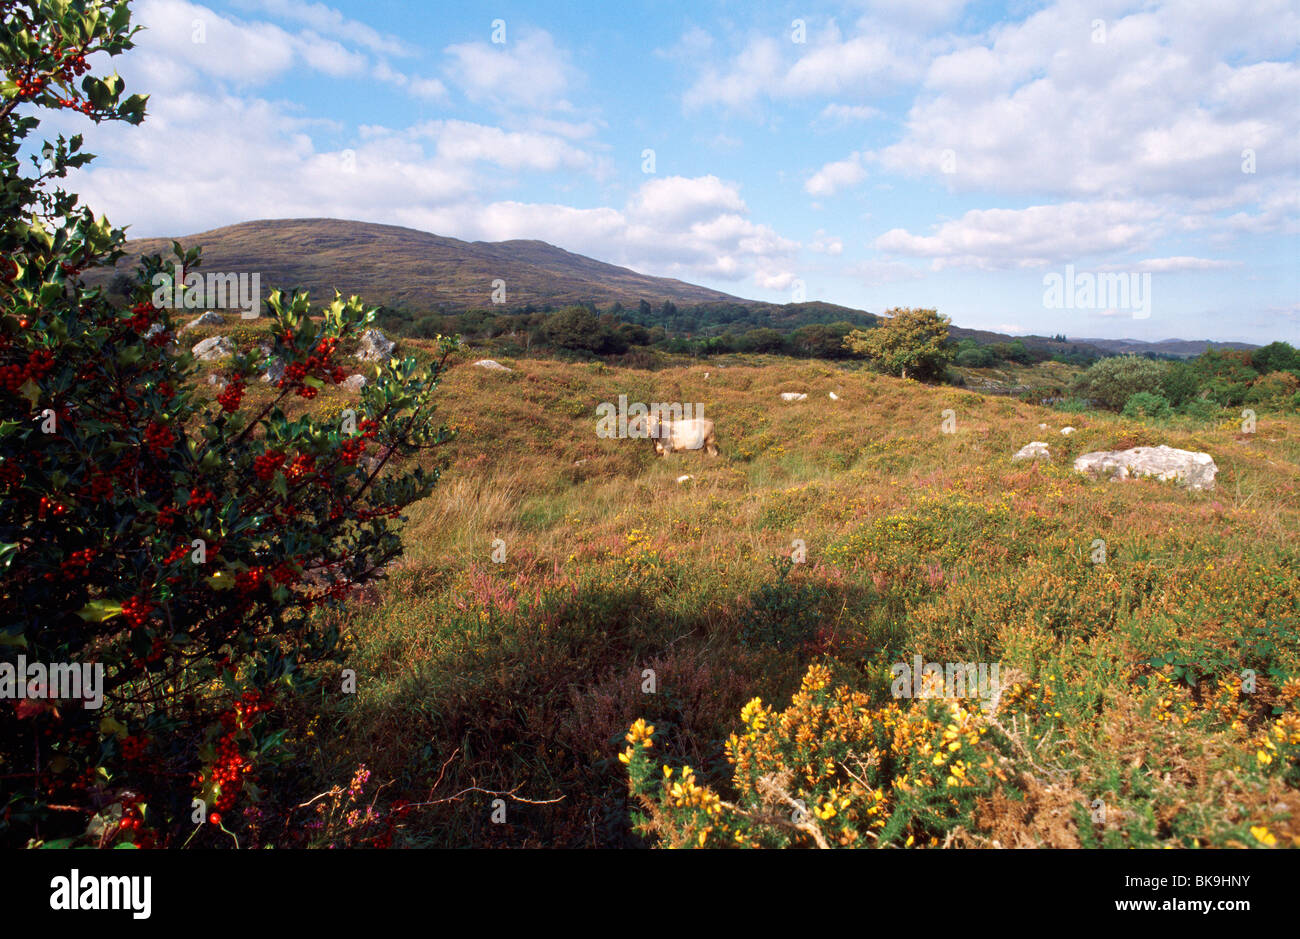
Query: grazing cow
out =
(675, 436)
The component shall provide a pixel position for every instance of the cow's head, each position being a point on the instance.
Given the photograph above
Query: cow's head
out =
(645, 427)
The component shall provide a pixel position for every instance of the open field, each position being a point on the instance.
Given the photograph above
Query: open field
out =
(519, 679)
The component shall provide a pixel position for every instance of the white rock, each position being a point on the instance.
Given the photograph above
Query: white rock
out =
(216, 347)
(833, 396)
(1066, 431)
(706, 376)
(682, 479)
(375, 346)
(274, 370)
(1196, 470)
(354, 382)
(153, 330)
(1042, 427)
(205, 319)
(793, 396)
(493, 365)
(1033, 451)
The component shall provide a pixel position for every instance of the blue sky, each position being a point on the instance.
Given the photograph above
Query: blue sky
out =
(942, 154)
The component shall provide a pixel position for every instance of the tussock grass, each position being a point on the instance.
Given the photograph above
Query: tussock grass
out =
(520, 678)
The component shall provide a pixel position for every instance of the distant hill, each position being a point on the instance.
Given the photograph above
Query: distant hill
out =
(1185, 348)
(422, 273)
(415, 270)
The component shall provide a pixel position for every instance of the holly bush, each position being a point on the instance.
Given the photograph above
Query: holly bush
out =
(189, 547)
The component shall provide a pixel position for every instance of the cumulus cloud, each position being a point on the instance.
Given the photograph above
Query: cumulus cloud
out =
(528, 72)
(993, 239)
(828, 63)
(1154, 109)
(840, 174)
(328, 21)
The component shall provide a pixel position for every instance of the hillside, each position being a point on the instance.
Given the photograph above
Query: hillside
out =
(522, 671)
(420, 273)
(415, 270)
(1183, 348)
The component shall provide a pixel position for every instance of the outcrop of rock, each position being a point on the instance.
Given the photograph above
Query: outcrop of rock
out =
(793, 396)
(217, 347)
(493, 365)
(1195, 470)
(374, 347)
(1033, 451)
(204, 319)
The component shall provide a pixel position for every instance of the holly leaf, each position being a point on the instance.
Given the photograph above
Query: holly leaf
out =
(97, 611)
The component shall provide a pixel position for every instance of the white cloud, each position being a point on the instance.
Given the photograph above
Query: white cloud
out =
(835, 176)
(530, 72)
(879, 57)
(991, 239)
(463, 142)
(1039, 107)
(330, 22)
(823, 243)
(846, 113)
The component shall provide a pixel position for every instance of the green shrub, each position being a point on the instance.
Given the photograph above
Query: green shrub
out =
(1113, 381)
(1146, 404)
(975, 358)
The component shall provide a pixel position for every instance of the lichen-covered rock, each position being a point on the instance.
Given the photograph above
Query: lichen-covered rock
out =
(274, 370)
(375, 346)
(493, 365)
(1033, 451)
(203, 319)
(217, 347)
(1195, 470)
(793, 396)
(354, 383)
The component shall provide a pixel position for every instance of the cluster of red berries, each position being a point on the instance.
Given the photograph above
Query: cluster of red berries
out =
(231, 398)
(14, 376)
(77, 564)
(159, 439)
(167, 517)
(143, 315)
(199, 499)
(265, 466)
(317, 365)
(301, 466)
(246, 582)
(29, 86)
(97, 488)
(351, 449)
(72, 61)
(285, 573)
(11, 474)
(133, 747)
(176, 554)
(137, 610)
(48, 508)
(132, 826)
(227, 771)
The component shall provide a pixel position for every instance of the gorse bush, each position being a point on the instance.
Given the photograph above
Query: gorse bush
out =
(184, 548)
